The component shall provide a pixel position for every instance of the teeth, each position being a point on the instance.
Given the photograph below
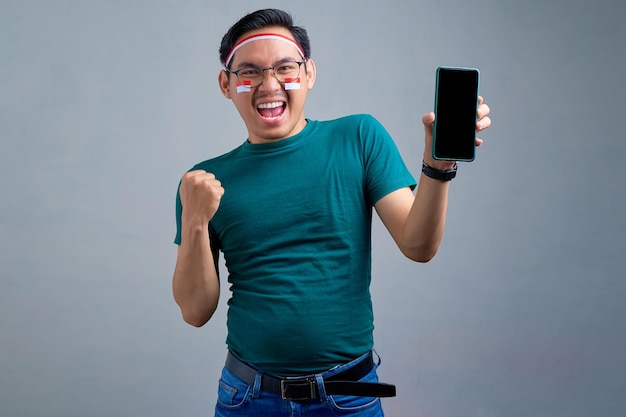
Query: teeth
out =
(272, 105)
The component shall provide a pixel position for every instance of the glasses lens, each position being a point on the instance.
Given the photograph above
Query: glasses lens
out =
(287, 71)
(252, 75)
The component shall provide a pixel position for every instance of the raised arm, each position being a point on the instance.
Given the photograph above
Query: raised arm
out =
(195, 282)
(417, 223)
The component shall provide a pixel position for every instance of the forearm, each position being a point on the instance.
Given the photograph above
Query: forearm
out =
(425, 223)
(195, 282)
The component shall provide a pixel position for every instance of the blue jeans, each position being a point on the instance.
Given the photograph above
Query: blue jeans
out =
(236, 398)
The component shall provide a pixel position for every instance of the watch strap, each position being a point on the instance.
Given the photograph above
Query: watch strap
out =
(437, 174)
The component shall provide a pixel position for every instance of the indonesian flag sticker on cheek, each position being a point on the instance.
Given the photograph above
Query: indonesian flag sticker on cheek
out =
(243, 86)
(292, 84)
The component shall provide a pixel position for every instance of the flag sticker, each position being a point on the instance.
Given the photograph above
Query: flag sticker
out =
(292, 84)
(243, 86)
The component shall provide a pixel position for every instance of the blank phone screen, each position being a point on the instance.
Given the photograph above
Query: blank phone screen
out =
(455, 114)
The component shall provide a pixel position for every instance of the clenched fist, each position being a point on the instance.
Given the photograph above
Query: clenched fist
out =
(200, 195)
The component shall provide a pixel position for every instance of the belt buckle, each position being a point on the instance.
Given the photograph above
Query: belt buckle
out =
(285, 383)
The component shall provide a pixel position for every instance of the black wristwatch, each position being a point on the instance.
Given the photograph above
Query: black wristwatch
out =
(442, 175)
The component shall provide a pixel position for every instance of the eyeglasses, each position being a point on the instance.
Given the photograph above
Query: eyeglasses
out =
(283, 72)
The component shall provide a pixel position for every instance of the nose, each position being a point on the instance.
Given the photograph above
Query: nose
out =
(269, 83)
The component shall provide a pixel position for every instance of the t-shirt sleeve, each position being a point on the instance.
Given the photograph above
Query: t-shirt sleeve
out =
(385, 170)
(179, 213)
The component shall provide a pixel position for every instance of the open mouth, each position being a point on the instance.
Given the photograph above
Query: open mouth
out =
(271, 110)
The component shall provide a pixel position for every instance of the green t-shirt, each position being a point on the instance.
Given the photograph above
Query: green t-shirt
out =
(294, 226)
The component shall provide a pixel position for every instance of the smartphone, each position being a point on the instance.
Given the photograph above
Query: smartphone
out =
(456, 106)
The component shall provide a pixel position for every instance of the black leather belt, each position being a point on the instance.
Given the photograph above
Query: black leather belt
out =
(306, 388)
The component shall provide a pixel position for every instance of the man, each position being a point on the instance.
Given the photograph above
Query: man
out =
(291, 209)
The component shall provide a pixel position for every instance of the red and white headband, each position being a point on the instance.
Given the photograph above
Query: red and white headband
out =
(259, 37)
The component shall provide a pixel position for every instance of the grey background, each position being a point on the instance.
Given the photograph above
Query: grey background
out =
(104, 104)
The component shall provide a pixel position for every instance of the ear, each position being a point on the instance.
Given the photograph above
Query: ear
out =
(224, 83)
(310, 73)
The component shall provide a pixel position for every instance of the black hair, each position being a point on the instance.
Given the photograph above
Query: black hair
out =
(260, 19)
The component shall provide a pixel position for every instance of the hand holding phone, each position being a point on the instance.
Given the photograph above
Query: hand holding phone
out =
(456, 105)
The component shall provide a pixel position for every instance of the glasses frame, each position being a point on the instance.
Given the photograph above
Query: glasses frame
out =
(267, 69)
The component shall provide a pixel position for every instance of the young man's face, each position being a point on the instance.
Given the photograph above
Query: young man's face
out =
(269, 111)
